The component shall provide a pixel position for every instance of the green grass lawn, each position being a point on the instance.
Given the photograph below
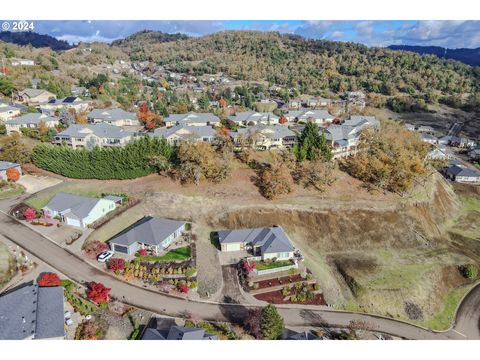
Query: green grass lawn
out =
(179, 254)
(15, 190)
(443, 319)
(262, 265)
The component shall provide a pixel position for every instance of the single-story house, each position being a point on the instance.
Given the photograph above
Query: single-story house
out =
(361, 122)
(115, 116)
(31, 120)
(69, 102)
(78, 210)
(177, 333)
(150, 233)
(5, 165)
(92, 135)
(439, 153)
(321, 117)
(7, 112)
(474, 154)
(192, 119)
(265, 137)
(463, 175)
(33, 96)
(32, 312)
(269, 243)
(254, 118)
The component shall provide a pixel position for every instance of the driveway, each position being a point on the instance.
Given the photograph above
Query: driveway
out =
(35, 184)
(77, 269)
(231, 288)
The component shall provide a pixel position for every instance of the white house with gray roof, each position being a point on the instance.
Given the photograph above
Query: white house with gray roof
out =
(192, 119)
(268, 243)
(342, 139)
(32, 312)
(33, 96)
(264, 137)
(177, 333)
(69, 102)
(462, 174)
(8, 112)
(115, 116)
(321, 117)
(151, 233)
(183, 133)
(254, 118)
(361, 122)
(78, 210)
(92, 135)
(31, 121)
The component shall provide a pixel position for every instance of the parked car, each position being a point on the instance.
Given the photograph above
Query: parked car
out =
(104, 256)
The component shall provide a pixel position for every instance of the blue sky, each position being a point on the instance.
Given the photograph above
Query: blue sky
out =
(452, 34)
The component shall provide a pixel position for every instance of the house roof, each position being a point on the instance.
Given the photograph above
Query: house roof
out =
(34, 92)
(271, 240)
(185, 131)
(339, 133)
(114, 198)
(78, 205)
(362, 121)
(32, 118)
(177, 333)
(462, 171)
(307, 114)
(246, 116)
(31, 311)
(100, 130)
(270, 131)
(148, 230)
(426, 137)
(111, 114)
(7, 108)
(4, 165)
(192, 117)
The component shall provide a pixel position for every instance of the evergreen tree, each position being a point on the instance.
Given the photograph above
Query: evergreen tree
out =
(271, 323)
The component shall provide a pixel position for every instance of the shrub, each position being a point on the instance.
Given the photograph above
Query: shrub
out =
(183, 288)
(68, 285)
(49, 279)
(97, 292)
(188, 226)
(142, 252)
(116, 264)
(249, 266)
(30, 214)
(13, 174)
(470, 271)
(190, 271)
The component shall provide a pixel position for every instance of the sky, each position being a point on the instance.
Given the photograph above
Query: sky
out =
(451, 34)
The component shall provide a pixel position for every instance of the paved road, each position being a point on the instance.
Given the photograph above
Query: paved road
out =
(80, 271)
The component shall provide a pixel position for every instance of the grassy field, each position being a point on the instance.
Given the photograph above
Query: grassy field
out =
(444, 318)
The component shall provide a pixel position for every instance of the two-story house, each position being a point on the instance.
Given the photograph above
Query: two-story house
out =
(92, 135)
(265, 137)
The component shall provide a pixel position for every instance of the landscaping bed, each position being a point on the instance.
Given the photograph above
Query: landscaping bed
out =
(266, 265)
(276, 297)
(178, 254)
(279, 281)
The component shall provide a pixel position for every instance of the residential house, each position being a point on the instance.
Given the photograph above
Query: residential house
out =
(33, 96)
(429, 139)
(5, 165)
(78, 210)
(426, 129)
(308, 101)
(152, 233)
(265, 137)
(267, 243)
(116, 116)
(32, 312)
(249, 118)
(31, 121)
(22, 62)
(342, 139)
(192, 119)
(474, 154)
(7, 112)
(92, 135)
(361, 122)
(321, 117)
(177, 333)
(69, 102)
(462, 174)
(438, 153)
(183, 133)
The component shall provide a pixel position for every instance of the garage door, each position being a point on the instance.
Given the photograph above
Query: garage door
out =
(74, 222)
(120, 249)
(233, 247)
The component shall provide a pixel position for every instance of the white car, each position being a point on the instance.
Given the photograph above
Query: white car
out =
(104, 256)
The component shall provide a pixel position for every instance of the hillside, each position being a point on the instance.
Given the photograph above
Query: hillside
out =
(313, 66)
(467, 56)
(36, 40)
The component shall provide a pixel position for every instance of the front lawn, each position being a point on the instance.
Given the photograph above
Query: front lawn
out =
(179, 254)
(11, 190)
(264, 265)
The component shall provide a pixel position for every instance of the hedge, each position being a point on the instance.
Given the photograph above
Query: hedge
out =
(127, 162)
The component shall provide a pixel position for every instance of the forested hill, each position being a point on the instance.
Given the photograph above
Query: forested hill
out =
(147, 36)
(36, 40)
(467, 56)
(310, 65)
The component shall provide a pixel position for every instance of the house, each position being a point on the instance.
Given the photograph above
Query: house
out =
(192, 119)
(429, 139)
(31, 121)
(69, 102)
(265, 137)
(308, 101)
(32, 312)
(438, 153)
(33, 96)
(7, 112)
(410, 127)
(116, 116)
(5, 165)
(361, 122)
(78, 210)
(342, 139)
(249, 118)
(90, 136)
(177, 333)
(321, 117)
(426, 129)
(474, 154)
(22, 62)
(268, 243)
(462, 174)
(183, 133)
(150, 233)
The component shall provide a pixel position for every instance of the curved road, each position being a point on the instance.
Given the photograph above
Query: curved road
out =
(79, 270)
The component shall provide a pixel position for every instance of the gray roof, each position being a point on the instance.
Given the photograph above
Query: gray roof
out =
(111, 114)
(79, 205)
(307, 114)
(191, 117)
(32, 311)
(185, 131)
(247, 116)
(148, 230)
(339, 133)
(462, 171)
(8, 108)
(4, 165)
(270, 131)
(178, 333)
(271, 239)
(32, 118)
(428, 137)
(361, 121)
(100, 130)
(34, 92)
(114, 198)
(304, 335)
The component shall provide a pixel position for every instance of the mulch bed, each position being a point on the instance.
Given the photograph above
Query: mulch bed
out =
(21, 211)
(285, 280)
(276, 297)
